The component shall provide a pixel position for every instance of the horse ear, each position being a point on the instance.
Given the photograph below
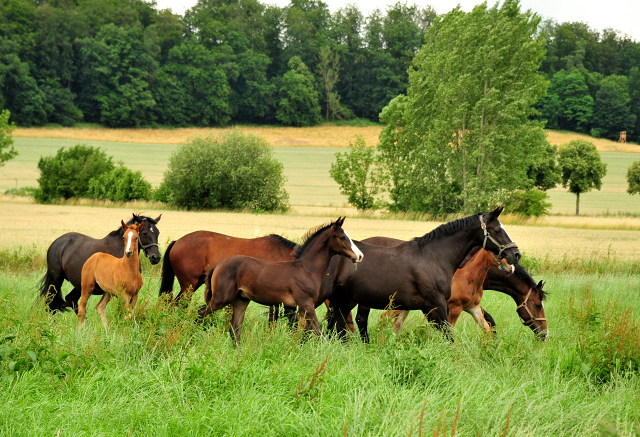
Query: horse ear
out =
(158, 219)
(496, 212)
(124, 226)
(540, 285)
(140, 226)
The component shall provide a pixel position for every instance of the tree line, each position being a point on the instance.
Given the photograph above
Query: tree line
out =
(125, 63)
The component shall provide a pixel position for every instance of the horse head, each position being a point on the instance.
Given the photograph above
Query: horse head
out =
(531, 311)
(340, 243)
(496, 239)
(130, 238)
(149, 237)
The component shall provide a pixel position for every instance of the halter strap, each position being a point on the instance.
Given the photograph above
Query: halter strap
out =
(502, 247)
(145, 246)
(524, 305)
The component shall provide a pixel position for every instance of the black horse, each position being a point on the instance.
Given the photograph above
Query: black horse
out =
(68, 253)
(415, 275)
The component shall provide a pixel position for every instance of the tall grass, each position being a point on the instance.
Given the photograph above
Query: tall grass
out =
(163, 374)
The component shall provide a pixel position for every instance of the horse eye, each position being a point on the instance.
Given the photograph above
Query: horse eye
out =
(538, 306)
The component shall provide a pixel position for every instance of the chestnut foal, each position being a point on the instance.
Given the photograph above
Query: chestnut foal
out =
(113, 275)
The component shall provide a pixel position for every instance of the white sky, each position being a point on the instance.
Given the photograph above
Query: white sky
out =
(622, 15)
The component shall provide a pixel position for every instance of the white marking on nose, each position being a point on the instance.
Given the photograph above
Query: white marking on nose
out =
(359, 255)
(128, 249)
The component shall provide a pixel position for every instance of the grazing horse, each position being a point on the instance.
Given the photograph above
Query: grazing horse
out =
(415, 275)
(113, 275)
(241, 279)
(190, 257)
(68, 253)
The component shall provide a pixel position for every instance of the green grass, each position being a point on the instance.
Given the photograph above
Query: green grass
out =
(307, 170)
(161, 374)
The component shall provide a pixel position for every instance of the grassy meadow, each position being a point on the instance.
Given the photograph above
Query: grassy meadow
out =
(162, 374)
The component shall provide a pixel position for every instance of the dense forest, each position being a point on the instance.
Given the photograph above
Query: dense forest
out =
(126, 63)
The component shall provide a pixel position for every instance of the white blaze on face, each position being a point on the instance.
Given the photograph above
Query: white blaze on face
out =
(505, 232)
(128, 249)
(359, 255)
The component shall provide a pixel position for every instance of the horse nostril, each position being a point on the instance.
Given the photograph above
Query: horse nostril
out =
(517, 256)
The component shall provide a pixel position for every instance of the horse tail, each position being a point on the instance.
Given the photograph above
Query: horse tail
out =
(208, 293)
(168, 275)
(51, 294)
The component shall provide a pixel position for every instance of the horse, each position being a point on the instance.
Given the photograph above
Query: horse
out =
(113, 275)
(517, 283)
(68, 253)
(415, 275)
(241, 279)
(190, 257)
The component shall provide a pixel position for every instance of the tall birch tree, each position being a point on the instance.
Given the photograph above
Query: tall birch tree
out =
(461, 139)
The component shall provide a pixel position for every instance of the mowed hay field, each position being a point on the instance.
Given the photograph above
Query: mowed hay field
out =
(306, 165)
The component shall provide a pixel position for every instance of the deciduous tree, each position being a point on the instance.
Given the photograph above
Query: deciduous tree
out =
(7, 151)
(582, 169)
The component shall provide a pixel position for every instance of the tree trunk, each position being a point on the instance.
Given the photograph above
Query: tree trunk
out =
(577, 204)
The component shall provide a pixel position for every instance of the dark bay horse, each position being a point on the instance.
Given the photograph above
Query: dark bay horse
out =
(242, 279)
(415, 275)
(115, 276)
(68, 253)
(519, 285)
(190, 257)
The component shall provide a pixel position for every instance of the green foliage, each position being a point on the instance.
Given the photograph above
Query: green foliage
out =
(460, 141)
(298, 104)
(633, 178)
(359, 174)
(228, 171)
(68, 173)
(567, 104)
(612, 112)
(119, 185)
(7, 151)
(581, 167)
(529, 203)
(545, 173)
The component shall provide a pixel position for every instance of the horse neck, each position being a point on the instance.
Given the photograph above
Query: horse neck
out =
(511, 285)
(452, 249)
(479, 265)
(316, 258)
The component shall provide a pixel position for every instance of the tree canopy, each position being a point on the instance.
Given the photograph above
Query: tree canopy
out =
(581, 167)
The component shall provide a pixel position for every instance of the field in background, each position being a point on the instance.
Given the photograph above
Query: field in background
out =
(307, 170)
(34, 227)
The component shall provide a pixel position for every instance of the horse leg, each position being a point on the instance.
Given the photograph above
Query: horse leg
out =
(274, 314)
(454, 313)
(239, 306)
(307, 311)
(132, 304)
(490, 321)
(477, 314)
(362, 320)
(398, 322)
(87, 289)
(72, 298)
(102, 307)
(437, 312)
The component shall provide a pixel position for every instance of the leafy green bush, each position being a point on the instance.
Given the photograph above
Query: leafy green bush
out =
(119, 185)
(21, 192)
(633, 178)
(595, 132)
(529, 203)
(228, 171)
(68, 173)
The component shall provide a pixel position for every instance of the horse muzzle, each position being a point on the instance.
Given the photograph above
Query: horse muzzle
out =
(128, 254)
(357, 258)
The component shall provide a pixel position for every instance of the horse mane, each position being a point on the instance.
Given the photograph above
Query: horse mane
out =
(309, 238)
(450, 228)
(280, 239)
(522, 273)
(135, 220)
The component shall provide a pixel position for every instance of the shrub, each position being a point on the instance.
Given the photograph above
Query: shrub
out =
(119, 185)
(67, 174)
(529, 203)
(595, 132)
(228, 171)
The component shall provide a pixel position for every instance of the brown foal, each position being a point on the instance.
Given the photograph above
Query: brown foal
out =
(114, 275)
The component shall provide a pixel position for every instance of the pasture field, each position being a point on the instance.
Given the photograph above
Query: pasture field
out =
(161, 374)
(307, 170)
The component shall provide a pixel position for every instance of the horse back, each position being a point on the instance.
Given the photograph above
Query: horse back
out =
(70, 252)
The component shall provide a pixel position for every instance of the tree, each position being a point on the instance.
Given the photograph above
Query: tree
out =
(298, 103)
(228, 171)
(545, 173)
(633, 178)
(359, 174)
(68, 173)
(461, 140)
(567, 104)
(612, 111)
(581, 167)
(328, 69)
(6, 129)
